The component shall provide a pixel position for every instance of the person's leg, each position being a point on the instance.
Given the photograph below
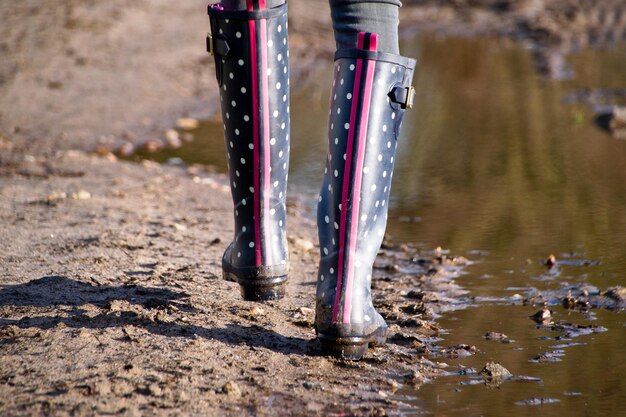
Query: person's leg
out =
(353, 16)
(249, 42)
(371, 90)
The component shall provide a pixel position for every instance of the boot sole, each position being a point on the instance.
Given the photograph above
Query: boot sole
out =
(351, 348)
(259, 289)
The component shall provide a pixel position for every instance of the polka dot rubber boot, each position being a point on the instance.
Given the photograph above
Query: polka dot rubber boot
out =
(370, 93)
(251, 59)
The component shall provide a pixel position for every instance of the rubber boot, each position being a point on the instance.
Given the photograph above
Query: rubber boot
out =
(370, 93)
(251, 60)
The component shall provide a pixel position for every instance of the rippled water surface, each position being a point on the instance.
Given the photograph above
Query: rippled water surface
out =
(496, 165)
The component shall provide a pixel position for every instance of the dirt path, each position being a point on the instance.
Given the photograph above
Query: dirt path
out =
(111, 301)
(81, 74)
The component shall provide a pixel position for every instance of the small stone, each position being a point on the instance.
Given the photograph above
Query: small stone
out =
(257, 311)
(175, 161)
(498, 337)
(81, 195)
(415, 294)
(57, 195)
(187, 123)
(153, 145)
(616, 293)
(309, 385)
(618, 121)
(493, 370)
(415, 377)
(306, 311)
(126, 149)
(180, 227)
(172, 138)
(155, 390)
(303, 317)
(542, 316)
(231, 389)
(550, 261)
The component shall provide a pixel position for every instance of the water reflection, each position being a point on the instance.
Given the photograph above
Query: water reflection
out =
(493, 159)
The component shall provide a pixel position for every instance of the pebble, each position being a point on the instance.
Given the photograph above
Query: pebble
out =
(550, 261)
(153, 145)
(172, 138)
(81, 195)
(542, 316)
(616, 293)
(257, 311)
(232, 389)
(499, 337)
(618, 121)
(155, 390)
(493, 370)
(126, 149)
(187, 123)
(57, 195)
(180, 227)
(415, 294)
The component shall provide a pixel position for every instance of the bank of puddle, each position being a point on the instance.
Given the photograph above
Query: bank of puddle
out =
(504, 168)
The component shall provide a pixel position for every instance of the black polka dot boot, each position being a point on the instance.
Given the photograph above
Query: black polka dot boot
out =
(370, 93)
(251, 59)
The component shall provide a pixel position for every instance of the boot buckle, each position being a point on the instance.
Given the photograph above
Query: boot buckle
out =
(217, 45)
(409, 98)
(209, 44)
(403, 96)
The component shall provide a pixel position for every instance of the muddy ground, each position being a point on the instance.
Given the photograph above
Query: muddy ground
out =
(111, 300)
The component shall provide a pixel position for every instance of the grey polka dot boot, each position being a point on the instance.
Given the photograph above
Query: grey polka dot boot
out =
(251, 59)
(370, 93)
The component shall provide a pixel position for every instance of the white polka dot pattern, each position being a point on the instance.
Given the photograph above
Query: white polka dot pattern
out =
(259, 165)
(377, 164)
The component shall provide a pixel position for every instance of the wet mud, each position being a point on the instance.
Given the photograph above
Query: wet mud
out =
(112, 302)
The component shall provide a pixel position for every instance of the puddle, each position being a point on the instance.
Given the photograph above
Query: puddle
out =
(505, 168)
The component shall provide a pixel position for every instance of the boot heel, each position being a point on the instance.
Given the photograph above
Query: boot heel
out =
(353, 352)
(262, 292)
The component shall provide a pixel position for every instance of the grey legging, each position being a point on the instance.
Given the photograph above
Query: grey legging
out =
(351, 17)
(377, 16)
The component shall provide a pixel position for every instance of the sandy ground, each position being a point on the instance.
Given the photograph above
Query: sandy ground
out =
(112, 303)
(111, 300)
(83, 74)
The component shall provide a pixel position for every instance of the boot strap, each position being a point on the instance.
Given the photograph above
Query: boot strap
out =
(403, 96)
(217, 46)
